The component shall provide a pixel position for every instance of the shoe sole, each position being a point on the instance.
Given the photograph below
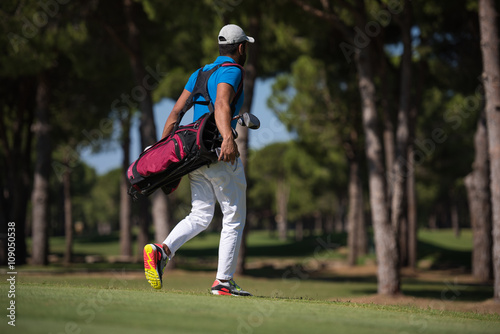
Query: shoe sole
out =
(150, 267)
(222, 293)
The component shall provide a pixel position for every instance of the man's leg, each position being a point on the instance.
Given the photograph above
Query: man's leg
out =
(202, 212)
(229, 184)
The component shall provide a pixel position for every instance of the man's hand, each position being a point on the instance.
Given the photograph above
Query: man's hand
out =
(228, 150)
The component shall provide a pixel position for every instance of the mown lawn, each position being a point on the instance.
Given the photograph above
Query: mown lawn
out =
(289, 296)
(119, 303)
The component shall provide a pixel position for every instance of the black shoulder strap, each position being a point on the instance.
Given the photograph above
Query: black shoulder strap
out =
(201, 88)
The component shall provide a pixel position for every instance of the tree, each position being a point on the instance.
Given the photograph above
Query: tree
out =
(357, 238)
(491, 79)
(15, 160)
(40, 200)
(399, 177)
(477, 183)
(321, 114)
(68, 216)
(135, 19)
(275, 177)
(242, 140)
(125, 201)
(20, 71)
(357, 45)
(147, 126)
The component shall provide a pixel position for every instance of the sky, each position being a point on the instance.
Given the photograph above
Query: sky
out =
(270, 131)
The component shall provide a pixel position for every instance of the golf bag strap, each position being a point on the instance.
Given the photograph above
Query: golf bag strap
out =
(201, 88)
(239, 91)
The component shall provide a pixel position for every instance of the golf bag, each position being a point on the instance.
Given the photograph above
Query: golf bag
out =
(184, 150)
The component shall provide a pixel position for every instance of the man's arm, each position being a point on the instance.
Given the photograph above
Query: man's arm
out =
(174, 114)
(223, 117)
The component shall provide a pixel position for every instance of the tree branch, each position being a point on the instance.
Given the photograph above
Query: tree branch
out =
(349, 6)
(329, 17)
(114, 36)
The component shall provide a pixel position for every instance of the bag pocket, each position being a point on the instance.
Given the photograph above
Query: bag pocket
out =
(158, 159)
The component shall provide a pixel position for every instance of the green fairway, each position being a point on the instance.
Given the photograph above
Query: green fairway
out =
(289, 296)
(119, 303)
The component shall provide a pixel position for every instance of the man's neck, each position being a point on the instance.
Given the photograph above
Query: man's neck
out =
(235, 58)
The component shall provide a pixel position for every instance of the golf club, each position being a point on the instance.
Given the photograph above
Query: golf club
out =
(249, 120)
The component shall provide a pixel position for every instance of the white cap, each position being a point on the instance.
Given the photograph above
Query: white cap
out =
(232, 34)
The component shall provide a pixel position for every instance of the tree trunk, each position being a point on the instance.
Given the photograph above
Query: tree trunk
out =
(355, 219)
(478, 193)
(388, 134)
(299, 230)
(455, 222)
(412, 210)
(147, 126)
(433, 220)
(330, 224)
(318, 224)
(410, 187)
(282, 193)
(362, 243)
(491, 79)
(400, 169)
(338, 222)
(40, 195)
(68, 216)
(143, 219)
(403, 242)
(385, 238)
(160, 216)
(242, 141)
(17, 173)
(125, 201)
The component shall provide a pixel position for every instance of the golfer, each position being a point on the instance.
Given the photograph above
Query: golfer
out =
(223, 181)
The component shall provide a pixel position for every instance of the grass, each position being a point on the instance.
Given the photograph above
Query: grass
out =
(289, 297)
(120, 303)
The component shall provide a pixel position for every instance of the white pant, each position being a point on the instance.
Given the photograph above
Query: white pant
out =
(225, 183)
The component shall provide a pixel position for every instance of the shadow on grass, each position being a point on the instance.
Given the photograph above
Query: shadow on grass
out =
(443, 291)
(307, 247)
(447, 291)
(444, 258)
(99, 239)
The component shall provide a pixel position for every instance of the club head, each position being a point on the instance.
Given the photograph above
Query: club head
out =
(249, 120)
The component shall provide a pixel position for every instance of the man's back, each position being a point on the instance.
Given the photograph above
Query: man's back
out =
(231, 75)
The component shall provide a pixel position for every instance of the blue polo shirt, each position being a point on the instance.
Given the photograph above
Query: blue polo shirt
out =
(230, 75)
